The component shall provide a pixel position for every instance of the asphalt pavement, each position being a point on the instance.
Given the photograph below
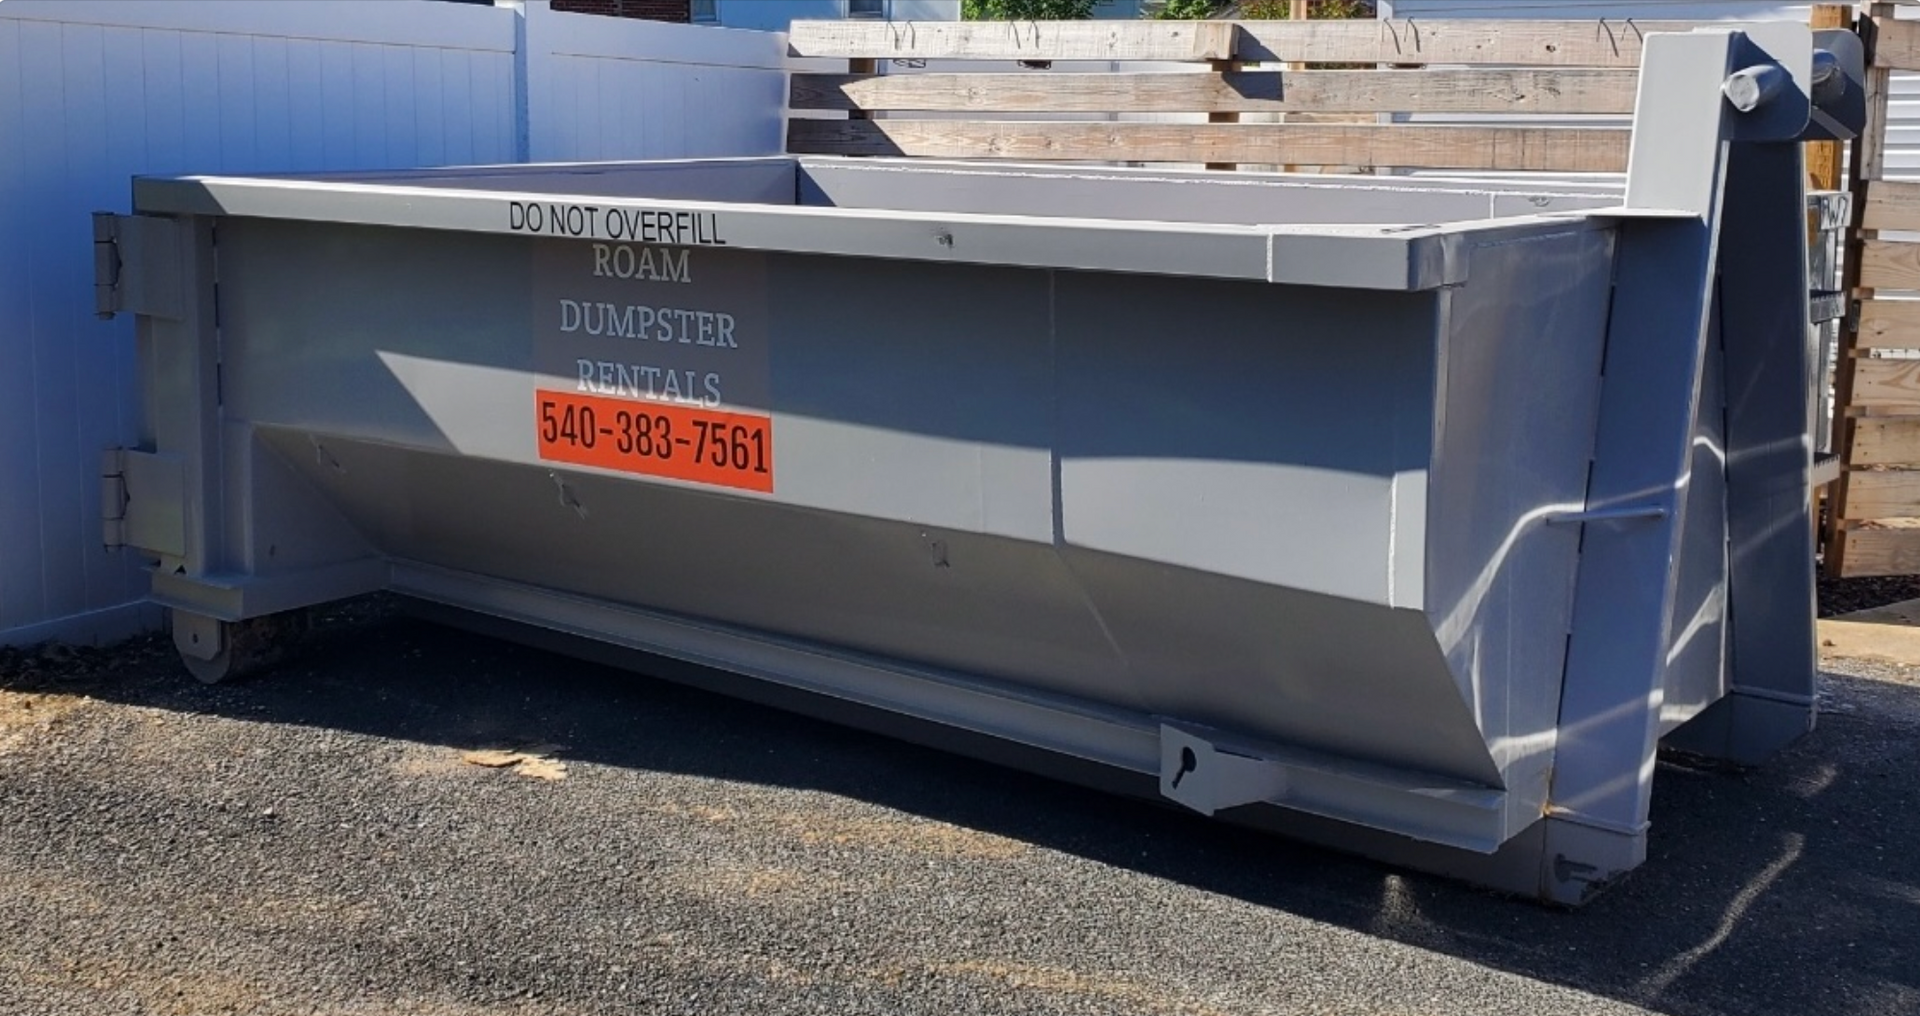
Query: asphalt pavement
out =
(322, 841)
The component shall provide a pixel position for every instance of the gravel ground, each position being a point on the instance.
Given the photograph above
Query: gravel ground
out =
(314, 842)
(1844, 596)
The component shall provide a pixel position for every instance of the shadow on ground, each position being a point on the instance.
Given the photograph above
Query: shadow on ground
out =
(1792, 889)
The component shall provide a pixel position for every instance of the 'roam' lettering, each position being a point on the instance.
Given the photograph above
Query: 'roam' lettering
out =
(649, 264)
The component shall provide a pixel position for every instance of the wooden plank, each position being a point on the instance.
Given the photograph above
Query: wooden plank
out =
(1014, 40)
(1896, 44)
(1581, 43)
(1222, 68)
(1826, 469)
(1883, 383)
(861, 68)
(1538, 149)
(1881, 412)
(1877, 552)
(1298, 10)
(1889, 324)
(1883, 494)
(1892, 204)
(1889, 264)
(1585, 43)
(1886, 441)
(1524, 90)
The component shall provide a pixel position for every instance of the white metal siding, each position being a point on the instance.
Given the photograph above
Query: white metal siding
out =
(1902, 154)
(93, 92)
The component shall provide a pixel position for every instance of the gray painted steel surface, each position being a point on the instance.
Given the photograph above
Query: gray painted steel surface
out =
(1424, 509)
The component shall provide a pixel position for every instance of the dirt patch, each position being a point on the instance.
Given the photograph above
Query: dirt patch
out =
(1862, 640)
(1117, 992)
(824, 828)
(200, 992)
(122, 980)
(533, 763)
(676, 951)
(33, 709)
(27, 715)
(919, 837)
(194, 993)
(431, 761)
(761, 883)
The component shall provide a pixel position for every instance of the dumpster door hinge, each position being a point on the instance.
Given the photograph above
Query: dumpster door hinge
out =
(136, 266)
(106, 266)
(113, 498)
(143, 501)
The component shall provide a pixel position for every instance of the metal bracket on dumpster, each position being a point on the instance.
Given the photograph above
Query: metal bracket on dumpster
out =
(142, 499)
(136, 266)
(1839, 86)
(1207, 778)
(1626, 513)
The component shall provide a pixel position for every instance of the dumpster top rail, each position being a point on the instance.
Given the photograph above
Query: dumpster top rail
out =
(1384, 236)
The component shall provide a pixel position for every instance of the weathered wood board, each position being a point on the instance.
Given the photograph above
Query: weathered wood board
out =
(1519, 90)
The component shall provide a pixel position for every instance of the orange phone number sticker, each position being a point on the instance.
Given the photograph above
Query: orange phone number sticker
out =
(677, 442)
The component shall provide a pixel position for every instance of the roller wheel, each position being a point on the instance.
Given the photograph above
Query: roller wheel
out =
(249, 647)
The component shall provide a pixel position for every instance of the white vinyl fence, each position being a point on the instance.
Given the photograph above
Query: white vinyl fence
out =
(93, 92)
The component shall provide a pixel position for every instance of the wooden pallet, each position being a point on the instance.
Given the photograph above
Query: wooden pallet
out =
(1873, 513)
(1474, 67)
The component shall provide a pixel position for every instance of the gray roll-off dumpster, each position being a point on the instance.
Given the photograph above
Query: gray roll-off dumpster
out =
(1408, 516)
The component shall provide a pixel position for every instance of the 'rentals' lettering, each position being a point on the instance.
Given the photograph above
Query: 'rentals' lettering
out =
(655, 324)
(646, 381)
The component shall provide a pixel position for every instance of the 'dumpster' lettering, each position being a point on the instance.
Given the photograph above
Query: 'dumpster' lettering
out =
(659, 324)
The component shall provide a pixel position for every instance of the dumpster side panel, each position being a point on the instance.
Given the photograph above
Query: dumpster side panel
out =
(1247, 429)
(1170, 496)
(895, 458)
(916, 392)
(1261, 433)
(390, 335)
(1518, 407)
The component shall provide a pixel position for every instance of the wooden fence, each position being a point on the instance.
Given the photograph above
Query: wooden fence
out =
(1873, 517)
(1490, 67)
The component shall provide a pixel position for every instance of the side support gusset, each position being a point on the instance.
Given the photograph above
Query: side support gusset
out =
(1770, 589)
(180, 362)
(1609, 727)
